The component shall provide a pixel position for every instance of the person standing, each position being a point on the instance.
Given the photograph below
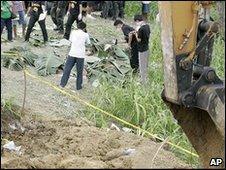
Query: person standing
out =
(87, 8)
(106, 7)
(115, 10)
(61, 10)
(53, 13)
(6, 20)
(130, 38)
(19, 8)
(48, 5)
(121, 6)
(145, 9)
(37, 9)
(78, 38)
(75, 14)
(57, 14)
(142, 36)
(26, 3)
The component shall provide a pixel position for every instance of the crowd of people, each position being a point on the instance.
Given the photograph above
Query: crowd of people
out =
(137, 38)
(75, 10)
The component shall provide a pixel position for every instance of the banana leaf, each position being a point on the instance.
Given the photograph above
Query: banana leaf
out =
(96, 44)
(121, 68)
(59, 43)
(91, 59)
(12, 63)
(29, 58)
(47, 65)
(24, 53)
(120, 53)
(102, 54)
(36, 41)
(16, 64)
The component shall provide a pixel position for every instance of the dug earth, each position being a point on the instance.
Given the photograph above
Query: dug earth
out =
(63, 142)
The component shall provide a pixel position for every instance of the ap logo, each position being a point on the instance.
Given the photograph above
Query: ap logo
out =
(216, 161)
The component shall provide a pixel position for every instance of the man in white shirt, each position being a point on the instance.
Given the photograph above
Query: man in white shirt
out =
(78, 38)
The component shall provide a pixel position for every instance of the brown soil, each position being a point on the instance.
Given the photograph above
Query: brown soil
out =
(59, 142)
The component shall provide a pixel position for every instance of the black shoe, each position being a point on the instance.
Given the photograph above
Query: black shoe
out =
(65, 37)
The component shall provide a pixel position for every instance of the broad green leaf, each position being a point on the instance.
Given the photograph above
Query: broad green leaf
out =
(47, 65)
(120, 53)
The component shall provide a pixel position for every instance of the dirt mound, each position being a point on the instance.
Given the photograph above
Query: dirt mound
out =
(50, 142)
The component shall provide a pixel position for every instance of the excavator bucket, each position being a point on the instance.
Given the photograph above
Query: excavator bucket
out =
(197, 104)
(204, 129)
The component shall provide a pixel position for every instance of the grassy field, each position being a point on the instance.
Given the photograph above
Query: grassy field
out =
(143, 106)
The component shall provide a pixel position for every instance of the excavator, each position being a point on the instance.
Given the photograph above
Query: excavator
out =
(192, 90)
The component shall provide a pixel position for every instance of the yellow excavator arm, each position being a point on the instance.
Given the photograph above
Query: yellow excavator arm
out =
(192, 90)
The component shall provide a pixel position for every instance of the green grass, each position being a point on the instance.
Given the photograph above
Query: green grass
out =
(218, 60)
(135, 7)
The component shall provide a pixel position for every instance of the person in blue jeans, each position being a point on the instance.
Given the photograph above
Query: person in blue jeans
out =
(6, 20)
(78, 38)
(19, 9)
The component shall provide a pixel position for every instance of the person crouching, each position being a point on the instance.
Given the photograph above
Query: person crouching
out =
(78, 38)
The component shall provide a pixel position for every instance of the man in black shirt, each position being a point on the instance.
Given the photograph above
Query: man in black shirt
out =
(35, 9)
(132, 42)
(75, 14)
(142, 36)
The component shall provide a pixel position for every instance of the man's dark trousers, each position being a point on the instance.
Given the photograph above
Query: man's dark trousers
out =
(33, 19)
(70, 21)
(53, 12)
(8, 24)
(60, 18)
(134, 61)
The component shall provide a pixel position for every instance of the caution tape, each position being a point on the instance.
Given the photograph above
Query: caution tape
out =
(10, 54)
(102, 111)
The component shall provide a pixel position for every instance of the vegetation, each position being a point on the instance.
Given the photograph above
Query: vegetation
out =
(143, 106)
(134, 7)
